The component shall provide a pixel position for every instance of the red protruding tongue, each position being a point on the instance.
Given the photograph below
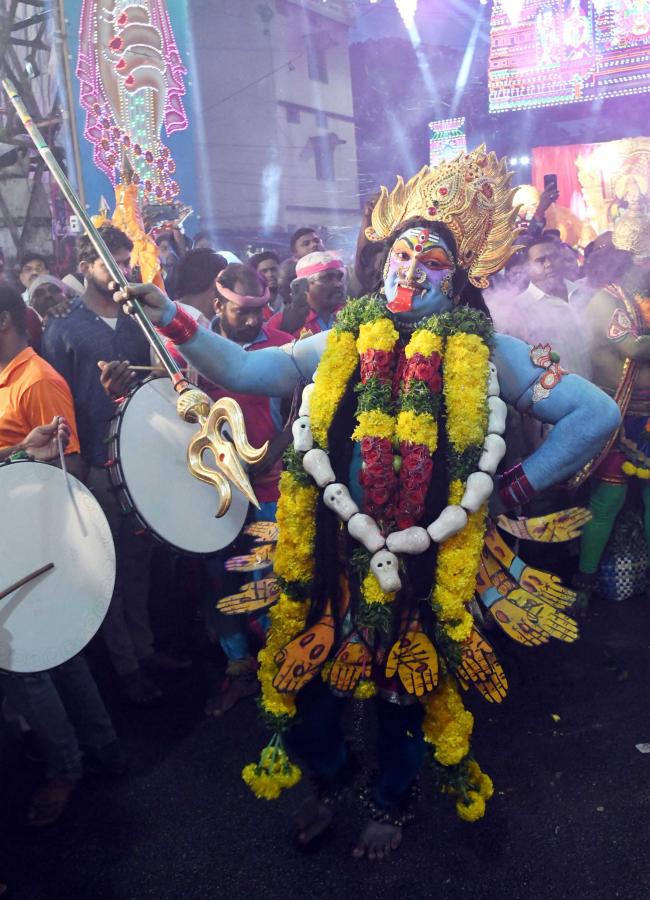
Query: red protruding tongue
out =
(403, 300)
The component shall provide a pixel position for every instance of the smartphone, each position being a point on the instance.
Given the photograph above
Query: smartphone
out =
(550, 181)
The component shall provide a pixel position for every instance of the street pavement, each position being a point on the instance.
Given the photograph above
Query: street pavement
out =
(569, 819)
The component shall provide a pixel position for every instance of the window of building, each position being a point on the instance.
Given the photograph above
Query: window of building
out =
(293, 115)
(324, 146)
(317, 60)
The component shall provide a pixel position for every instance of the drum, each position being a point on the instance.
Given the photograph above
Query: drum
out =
(148, 444)
(57, 566)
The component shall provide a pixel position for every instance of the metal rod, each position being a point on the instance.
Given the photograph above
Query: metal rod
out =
(180, 383)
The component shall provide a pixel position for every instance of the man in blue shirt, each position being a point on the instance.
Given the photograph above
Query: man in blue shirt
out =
(77, 344)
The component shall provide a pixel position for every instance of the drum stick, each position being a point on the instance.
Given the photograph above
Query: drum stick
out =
(17, 584)
(150, 369)
(163, 354)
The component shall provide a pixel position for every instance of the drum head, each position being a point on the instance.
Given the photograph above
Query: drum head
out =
(152, 442)
(46, 518)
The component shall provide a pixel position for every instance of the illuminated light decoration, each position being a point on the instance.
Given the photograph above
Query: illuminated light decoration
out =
(407, 10)
(513, 9)
(131, 77)
(446, 140)
(567, 51)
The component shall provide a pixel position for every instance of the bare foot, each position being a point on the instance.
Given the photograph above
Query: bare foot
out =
(314, 818)
(377, 840)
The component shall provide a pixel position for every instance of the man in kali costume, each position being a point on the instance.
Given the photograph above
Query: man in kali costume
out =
(619, 347)
(383, 530)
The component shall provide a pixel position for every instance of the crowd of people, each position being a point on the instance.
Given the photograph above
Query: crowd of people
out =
(68, 353)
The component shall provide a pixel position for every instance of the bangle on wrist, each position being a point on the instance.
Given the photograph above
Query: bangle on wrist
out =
(515, 488)
(181, 328)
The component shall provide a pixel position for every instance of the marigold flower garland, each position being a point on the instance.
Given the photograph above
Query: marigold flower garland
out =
(447, 724)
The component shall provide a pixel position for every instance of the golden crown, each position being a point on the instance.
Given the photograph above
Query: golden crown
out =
(471, 196)
(632, 228)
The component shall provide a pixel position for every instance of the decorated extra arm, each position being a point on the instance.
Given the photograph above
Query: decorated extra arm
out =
(583, 415)
(273, 372)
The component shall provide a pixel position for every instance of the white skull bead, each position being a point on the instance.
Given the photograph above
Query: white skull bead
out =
(337, 498)
(364, 529)
(494, 449)
(477, 491)
(303, 439)
(385, 567)
(408, 540)
(493, 382)
(450, 521)
(497, 419)
(317, 464)
(306, 398)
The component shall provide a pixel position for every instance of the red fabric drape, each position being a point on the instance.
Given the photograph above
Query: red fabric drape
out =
(561, 161)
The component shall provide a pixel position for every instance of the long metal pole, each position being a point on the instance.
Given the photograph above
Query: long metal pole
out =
(178, 380)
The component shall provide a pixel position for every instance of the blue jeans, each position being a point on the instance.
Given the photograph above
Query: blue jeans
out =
(231, 629)
(65, 710)
(317, 738)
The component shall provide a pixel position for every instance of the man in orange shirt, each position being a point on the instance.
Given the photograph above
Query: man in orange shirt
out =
(33, 393)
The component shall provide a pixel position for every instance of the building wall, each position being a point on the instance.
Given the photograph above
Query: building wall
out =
(274, 129)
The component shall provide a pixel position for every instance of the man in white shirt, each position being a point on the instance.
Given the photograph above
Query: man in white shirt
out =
(549, 310)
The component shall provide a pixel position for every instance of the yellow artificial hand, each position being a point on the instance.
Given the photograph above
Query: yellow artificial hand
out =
(263, 532)
(480, 667)
(498, 557)
(554, 528)
(530, 620)
(252, 597)
(547, 586)
(259, 558)
(351, 663)
(302, 657)
(413, 657)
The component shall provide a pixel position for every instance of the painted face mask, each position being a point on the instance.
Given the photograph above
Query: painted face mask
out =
(418, 274)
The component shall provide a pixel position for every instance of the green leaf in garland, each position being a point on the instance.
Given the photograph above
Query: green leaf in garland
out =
(360, 563)
(374, 394)
(296, 590)
(293, 465)
(359, 312)
(461, 465)
(419, 399)
(374, 615)
(273, 722)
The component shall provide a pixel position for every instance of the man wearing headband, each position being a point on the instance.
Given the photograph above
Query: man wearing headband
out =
(241, 299)
(318, 293)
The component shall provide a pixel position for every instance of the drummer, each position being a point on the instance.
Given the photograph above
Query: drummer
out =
(35, 401)
(76, 344)
(33, 393)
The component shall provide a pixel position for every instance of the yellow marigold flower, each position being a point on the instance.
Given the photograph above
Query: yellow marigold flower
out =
(447, 724)
(418, 428)
(465, 378)
(473, 810)
(373, 593)
(335, 369)
(374, 423)
(365, 690)
(643, 473)
(378, 335)
(261, 784)
(424, 342)
(296, 518)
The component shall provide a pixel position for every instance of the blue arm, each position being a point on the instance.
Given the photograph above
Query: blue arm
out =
(273, 372)
(583, 416)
